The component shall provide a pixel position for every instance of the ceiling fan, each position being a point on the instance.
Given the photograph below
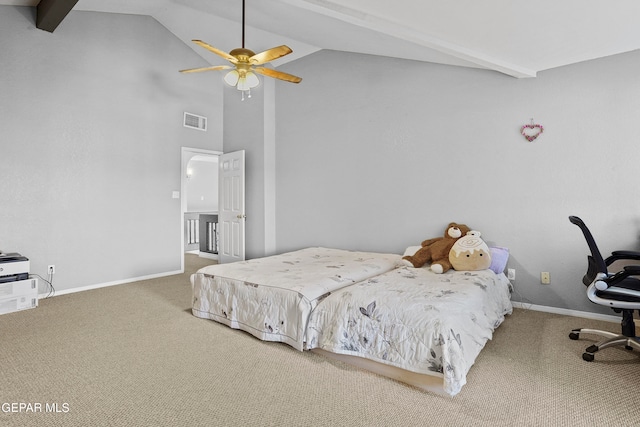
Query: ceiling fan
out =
(245, 64)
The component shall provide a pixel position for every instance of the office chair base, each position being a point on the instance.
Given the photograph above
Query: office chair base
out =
(611, 340)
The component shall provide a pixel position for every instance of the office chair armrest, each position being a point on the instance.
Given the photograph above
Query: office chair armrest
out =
(633, 270)
(603, 282)
(621, 255)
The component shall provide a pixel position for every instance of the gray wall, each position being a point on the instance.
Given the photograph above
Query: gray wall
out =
(366, 153)
(379, 154)
(202, 187)
(90, 137)
(245, 128)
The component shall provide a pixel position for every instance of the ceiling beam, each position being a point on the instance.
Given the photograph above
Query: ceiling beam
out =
(332, 9)
(50, 13)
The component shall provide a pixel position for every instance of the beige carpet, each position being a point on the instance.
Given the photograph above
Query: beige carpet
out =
(133, 355)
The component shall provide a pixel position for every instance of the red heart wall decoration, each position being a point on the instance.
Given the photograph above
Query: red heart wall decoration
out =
(531, 131)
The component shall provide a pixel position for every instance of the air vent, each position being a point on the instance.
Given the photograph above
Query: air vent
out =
(194, 121)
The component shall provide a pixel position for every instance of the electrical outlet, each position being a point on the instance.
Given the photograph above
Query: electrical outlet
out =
(51, 269)
(511, 273)
(545, 279)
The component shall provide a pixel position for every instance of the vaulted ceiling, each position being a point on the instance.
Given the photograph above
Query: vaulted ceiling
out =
(515, 37)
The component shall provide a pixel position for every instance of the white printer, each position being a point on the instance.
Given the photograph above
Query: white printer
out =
(13, 267)
(17, 290)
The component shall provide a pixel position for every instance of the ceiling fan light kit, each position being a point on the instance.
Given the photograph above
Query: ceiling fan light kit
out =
(243, 75)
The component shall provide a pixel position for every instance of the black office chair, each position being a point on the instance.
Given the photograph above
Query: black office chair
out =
(619, 290)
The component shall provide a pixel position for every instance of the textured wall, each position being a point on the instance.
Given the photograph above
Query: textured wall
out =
(202, 187)
(379, 154)
(90, 137)
(249, 126)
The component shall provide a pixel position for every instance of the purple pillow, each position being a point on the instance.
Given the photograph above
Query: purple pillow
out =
(499, 258)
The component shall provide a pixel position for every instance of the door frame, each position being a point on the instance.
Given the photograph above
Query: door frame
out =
(186, 155)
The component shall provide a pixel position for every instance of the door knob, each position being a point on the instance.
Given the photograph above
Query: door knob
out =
(241, 216)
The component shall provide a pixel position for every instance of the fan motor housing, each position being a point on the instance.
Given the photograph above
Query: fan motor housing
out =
(242, 54)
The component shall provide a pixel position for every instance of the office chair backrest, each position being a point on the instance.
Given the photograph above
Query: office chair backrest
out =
(596, 262)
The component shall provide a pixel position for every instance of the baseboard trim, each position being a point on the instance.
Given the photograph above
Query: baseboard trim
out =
(107, 284)
(207, 255)
(525, 306)
(567, 312)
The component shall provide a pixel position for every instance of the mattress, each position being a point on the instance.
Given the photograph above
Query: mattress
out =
(272, 297)
(414, 320)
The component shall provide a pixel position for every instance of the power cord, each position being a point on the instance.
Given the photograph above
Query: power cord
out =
(52, 290)
(523, 301)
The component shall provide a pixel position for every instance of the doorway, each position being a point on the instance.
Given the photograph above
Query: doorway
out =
(199, 202)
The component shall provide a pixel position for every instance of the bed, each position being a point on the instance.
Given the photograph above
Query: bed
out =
(272, 297)
(422, 328)
(362, 308)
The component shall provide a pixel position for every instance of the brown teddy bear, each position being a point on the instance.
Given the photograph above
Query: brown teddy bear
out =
(436, 250)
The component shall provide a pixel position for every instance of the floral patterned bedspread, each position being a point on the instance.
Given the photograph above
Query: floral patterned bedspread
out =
(272, 297)
(414, 319)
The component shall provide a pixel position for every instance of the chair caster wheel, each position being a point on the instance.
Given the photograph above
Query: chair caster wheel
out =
(574, 335)
(588, 357)
(592, 349)
(628, 347)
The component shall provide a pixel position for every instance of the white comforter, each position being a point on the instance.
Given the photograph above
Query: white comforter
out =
(415, 320)
(272, 297)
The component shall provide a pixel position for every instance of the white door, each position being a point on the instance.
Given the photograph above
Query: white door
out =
(231, 215)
